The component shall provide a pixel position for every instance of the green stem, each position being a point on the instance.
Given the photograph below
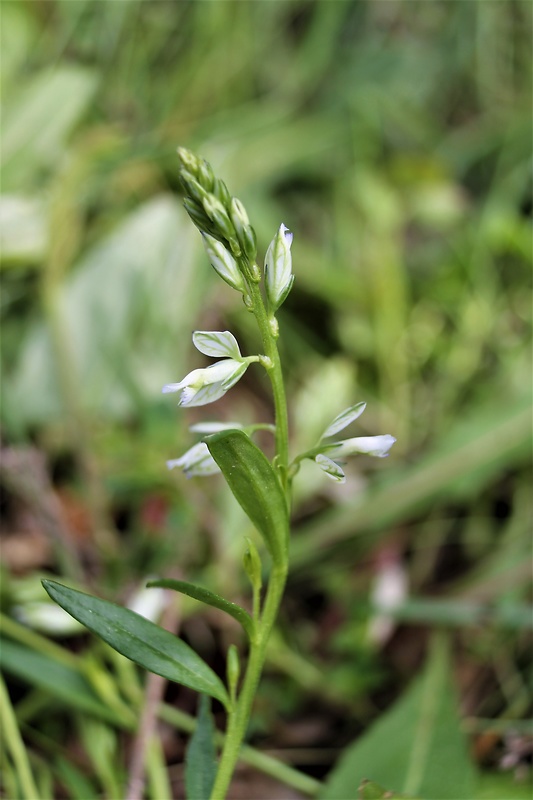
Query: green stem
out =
(276, 378)
(240, 715)
(16, 746)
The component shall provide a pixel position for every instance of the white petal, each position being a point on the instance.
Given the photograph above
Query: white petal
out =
(196, 461)
(219, 344)
(370, 445)
(172, 387)
(331, 469)
(344, 419)
(214, 427)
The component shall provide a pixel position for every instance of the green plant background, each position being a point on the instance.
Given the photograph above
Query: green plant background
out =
(394, 140)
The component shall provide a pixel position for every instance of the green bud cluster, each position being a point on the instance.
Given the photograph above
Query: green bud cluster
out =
(216, 213)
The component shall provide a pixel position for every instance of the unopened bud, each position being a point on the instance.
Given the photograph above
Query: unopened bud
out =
(191, 186)
(233, 670)
(188, 159)
(218, 214)
(205, 174)
(221, 191)
(252, 565)
(278, 268)
(245, 232)
(223, 262)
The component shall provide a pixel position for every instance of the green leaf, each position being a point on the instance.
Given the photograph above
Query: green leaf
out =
(49, 104)
(254, 483)
(59, 680)
(140, 640)
(417, 746)
(200, 759)
(210, 598)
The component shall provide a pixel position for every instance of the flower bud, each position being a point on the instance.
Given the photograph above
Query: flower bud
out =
(219, 216)
(245, 232)
(223, 262)
(205, 174)
(278, 268)
(198, 215)
(251, 562)
(188, 160)
(221, 191)
(192, 187)
(233, 670)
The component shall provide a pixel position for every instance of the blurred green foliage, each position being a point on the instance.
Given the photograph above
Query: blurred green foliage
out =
(394, 139)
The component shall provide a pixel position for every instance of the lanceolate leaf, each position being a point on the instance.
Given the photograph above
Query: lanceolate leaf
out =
(135, 637)
(210, 598)
(255, 486)
(200, 759)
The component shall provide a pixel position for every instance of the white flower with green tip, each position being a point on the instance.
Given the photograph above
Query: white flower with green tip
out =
(202, 386)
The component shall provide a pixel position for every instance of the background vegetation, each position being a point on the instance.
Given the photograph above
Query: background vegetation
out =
(394, 139)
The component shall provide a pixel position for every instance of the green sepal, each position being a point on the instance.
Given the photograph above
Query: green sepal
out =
(210, 599)
(255, 485)
(135, 637)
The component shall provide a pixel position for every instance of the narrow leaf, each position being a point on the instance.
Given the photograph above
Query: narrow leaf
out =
(344, 419)
(219, 344)
(62, 682)
(210, 598)
(153, 648)
(200, 759)
(254, 483)
(331, 469)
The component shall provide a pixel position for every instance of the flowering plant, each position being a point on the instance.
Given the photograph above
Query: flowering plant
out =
(261, 486)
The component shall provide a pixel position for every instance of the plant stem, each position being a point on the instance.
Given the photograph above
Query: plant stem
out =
(239, 717)
(276, 378)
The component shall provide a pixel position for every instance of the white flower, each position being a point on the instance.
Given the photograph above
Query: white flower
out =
(370, 445)
(202, 386)
(278, 268)
(196, 461)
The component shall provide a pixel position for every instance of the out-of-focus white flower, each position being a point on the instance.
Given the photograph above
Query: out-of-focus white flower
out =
(327, 455)
(378, 446)
(196, 461)
(278, 268)
(202, 386)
